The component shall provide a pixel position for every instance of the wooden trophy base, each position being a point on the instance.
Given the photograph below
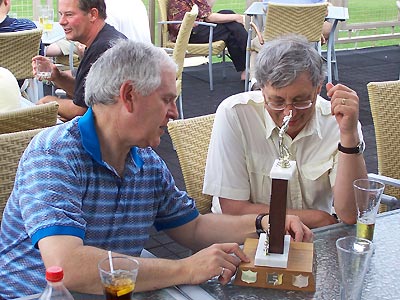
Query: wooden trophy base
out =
(298, 276)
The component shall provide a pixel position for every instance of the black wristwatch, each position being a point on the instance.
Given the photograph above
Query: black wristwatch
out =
(359, 149)
(259, 228)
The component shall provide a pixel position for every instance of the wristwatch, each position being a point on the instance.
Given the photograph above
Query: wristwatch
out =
(259, 228)
(359, 149)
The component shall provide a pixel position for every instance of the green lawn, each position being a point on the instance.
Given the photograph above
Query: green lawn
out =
(359, 11)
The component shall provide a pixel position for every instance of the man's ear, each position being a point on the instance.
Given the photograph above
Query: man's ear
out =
(94, 14)
(319, 89)
(127, 94)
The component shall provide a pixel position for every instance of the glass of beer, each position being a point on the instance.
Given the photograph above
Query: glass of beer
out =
(118, 277)
(46, 18)
(368, 195)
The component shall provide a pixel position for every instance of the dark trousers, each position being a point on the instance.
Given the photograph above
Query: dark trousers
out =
(233, 34)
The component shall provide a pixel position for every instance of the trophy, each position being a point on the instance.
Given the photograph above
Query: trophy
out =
(275, 261)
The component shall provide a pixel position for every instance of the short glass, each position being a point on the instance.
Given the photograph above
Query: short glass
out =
(119, 283)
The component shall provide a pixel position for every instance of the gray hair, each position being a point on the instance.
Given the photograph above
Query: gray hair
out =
(127, 60)
(283, 59)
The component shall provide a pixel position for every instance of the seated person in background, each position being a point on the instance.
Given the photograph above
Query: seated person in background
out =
(62, 47)
(258, 41)
(96, 184)
(8, 24)
(10, 94)
(244, 140)
(128, 17)
(83, 21)
(229, 28)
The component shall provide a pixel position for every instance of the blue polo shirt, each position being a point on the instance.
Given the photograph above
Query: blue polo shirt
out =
(63, 187)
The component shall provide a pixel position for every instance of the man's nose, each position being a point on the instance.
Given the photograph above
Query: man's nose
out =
(173, 111)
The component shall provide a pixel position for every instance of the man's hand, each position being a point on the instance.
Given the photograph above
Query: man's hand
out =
(54, 70)
(218, 260)
(298, 231)
(345, 105)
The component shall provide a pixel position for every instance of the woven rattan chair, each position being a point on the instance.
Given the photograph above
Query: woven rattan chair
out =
(191, 138)
(37, 116)
(180, 49)
(12, 145)
(281, 19)
(384, 98)
(16, 52)
(208, 49)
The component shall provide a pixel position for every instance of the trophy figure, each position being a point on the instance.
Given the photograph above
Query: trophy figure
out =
(284, 153)
(270, 265)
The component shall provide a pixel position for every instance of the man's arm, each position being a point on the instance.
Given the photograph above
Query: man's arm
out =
(80, 262)
(312, 218)
(67, 109)
(224, 18)
(81, 274)
(212, 228)
(345, 108)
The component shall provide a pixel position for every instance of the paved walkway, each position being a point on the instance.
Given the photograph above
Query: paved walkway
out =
(356, 69)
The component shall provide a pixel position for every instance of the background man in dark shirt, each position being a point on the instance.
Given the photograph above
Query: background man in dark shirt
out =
(82, 21)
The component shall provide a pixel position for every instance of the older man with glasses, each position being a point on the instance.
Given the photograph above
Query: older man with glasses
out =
(323, 137)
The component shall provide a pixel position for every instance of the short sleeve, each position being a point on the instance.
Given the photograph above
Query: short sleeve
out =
(226, 172)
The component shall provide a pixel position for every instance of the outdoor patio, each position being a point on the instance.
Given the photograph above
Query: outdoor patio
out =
(356, 69)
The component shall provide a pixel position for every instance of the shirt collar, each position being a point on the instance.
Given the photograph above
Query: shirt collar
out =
(90, 140)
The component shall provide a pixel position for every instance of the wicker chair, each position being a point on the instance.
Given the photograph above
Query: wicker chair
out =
(304, 19)
(384, 98)
(207, 49)
(12, 145)
(191, 138)
(16, 52)
(180, 48)
(38, 116)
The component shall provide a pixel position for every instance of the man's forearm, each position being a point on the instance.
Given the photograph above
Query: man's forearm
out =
(311, 218)
(223, 18)
(228, 229)
(350, 168)
(68, 109)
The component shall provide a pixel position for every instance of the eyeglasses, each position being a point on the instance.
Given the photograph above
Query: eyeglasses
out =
(296, 105)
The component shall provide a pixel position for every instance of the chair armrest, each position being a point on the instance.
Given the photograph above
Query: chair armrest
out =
(196, 22)
(169, 22)
(258, 33)
(386, 180)
(390, 201)
(205, 23)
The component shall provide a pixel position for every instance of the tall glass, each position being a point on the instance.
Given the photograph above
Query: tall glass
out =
(368, 195)
(46, 18)
(354, 256)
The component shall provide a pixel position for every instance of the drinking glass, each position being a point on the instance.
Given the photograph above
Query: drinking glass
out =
(43, 68)
(354, 256)
(118, 278)
(46, 18)
(368, 195)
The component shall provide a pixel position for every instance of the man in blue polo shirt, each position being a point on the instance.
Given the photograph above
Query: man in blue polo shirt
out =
(95, 184)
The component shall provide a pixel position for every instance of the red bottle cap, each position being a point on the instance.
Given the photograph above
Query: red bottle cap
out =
(54, 274)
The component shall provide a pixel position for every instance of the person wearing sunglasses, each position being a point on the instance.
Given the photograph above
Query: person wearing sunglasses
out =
(323, 136)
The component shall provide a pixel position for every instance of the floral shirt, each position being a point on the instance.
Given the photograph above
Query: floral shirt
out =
(177, 10)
